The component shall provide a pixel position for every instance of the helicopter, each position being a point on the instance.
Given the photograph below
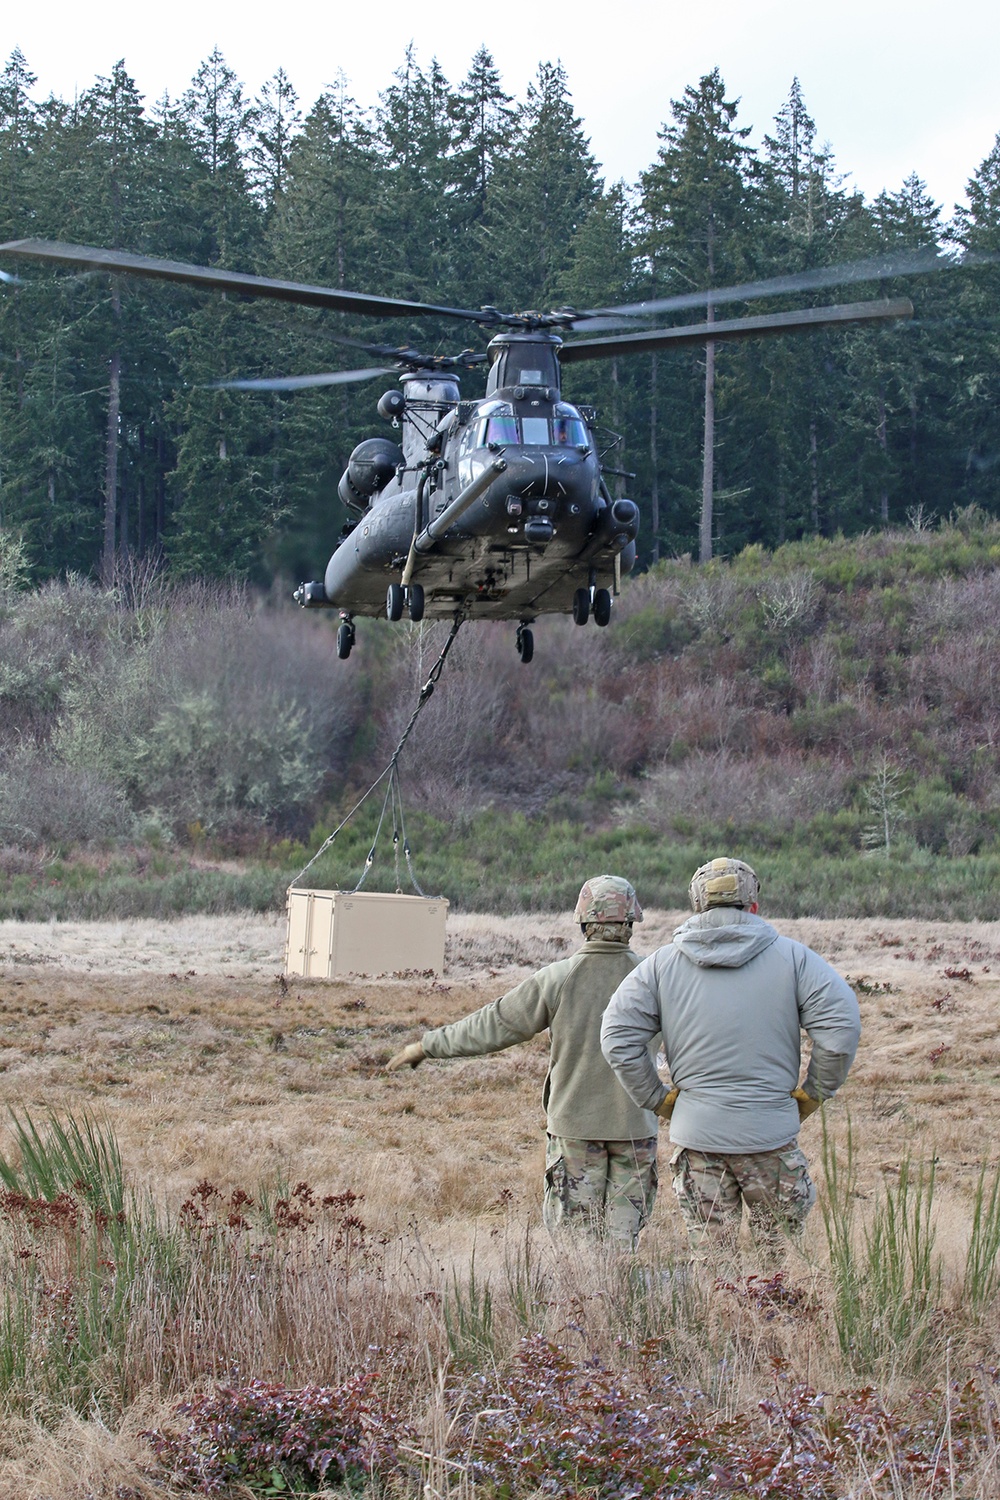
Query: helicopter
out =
(496, 508)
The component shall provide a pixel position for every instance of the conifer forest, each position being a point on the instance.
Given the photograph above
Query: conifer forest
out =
(111, 446)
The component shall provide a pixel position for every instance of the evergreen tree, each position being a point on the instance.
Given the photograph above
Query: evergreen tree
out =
(216, 123)
(414, 250)
(696, 212)
(486, 134)
(324, 232)
(976, 410)
(600, 273)
(536, 211)
(276, 117)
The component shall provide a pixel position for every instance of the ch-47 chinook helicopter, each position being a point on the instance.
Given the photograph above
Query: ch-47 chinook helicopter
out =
(485, 509)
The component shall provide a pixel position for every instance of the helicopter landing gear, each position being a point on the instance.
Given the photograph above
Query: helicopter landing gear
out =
(581, 606)
(345, 637)
(394, 602)
(415, 602)
(525, 643)
(602, 606)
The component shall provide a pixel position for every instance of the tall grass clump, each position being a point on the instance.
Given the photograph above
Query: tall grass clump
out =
(886, 1275)
(76, 1247)
(981, 1283)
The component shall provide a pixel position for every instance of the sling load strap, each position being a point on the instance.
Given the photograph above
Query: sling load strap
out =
(391, 772)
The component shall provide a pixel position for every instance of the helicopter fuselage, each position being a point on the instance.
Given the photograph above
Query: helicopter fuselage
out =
(539, 525)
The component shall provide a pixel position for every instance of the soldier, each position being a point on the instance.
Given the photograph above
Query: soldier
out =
(730, 998)
(600, 1161)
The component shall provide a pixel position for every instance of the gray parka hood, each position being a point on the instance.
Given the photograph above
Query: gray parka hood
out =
(724, 938)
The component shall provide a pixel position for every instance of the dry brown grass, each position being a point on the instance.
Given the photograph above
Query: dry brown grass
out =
(209, 1066)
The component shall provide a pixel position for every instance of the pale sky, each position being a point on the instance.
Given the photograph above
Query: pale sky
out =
(893, 87)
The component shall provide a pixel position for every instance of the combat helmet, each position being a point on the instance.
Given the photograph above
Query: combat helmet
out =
(723, 882)
(607, 898)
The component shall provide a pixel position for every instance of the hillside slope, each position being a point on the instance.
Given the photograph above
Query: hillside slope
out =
(830, 711)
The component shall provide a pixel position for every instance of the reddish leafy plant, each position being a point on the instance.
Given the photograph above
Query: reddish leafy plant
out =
(274, 1439)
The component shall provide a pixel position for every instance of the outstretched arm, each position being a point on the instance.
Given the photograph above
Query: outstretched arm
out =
(516, 1016)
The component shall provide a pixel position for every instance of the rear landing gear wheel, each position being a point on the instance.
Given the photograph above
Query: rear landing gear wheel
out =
(581, 606)
(525, 644)
(394, 602)
(602, 607)
(345, 639)
(415, 601)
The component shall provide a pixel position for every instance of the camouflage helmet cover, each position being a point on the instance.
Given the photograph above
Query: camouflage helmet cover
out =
(723, 882)
(607, 898)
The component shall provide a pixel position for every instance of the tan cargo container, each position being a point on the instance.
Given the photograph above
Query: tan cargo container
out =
(340, 932)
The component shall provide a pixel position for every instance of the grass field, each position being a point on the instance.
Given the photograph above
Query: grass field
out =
(868, 1366)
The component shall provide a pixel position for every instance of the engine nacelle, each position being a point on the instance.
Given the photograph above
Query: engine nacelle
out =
(369, 469)
(618, 524)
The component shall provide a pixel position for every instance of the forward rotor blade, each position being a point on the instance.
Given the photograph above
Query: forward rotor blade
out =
(10, 280)
(876, 268)
(299, 382)
(214, 279)
(736, 328)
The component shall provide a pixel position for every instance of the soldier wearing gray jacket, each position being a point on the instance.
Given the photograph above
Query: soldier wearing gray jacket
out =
(730, 999)
(600, 1166)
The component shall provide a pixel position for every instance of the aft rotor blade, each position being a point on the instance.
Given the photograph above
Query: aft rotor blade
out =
(299, 382)
(215, 279)
(736, 328)
(876, 268)
(10, 280)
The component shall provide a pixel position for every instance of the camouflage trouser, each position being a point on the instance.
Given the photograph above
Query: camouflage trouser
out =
(606, 1187)
(712, 1188)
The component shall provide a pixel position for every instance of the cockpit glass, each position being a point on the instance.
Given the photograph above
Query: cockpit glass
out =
(532, 377)
(535, 431)
(569, 432)
(501, 430)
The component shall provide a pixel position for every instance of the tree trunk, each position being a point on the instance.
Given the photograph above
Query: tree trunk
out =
(654, 487)
(814, 471)
(708, 456)
(111, 454)
(883, 499)
(140, 494)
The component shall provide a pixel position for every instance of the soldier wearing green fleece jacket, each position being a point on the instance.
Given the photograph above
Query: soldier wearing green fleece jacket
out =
(600, 1171)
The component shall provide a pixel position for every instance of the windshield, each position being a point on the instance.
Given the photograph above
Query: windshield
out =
(535, 431)
(569, 432)
(501, 430)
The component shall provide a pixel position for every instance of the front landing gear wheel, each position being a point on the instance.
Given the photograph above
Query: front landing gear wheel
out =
(525, 644)
(602, 607)
(581, 606)
(415, 601)
(394, 602)
(345, 639)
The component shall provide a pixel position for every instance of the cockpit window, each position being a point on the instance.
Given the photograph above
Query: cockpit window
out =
(535, 431)
(532, 377)
(501, 430)
(569, 432)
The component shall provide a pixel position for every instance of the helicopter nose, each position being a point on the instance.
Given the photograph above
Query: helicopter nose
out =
(543, 474)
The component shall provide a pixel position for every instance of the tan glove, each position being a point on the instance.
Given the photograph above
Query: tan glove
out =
(665, 1108)
(413, 1055)
(807, 1104)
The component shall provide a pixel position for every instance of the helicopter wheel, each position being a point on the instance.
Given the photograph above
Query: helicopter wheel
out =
(415, 600)
(394, 602)
(525, 644)
(581, 606)
(345, 639)
(602, 607)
